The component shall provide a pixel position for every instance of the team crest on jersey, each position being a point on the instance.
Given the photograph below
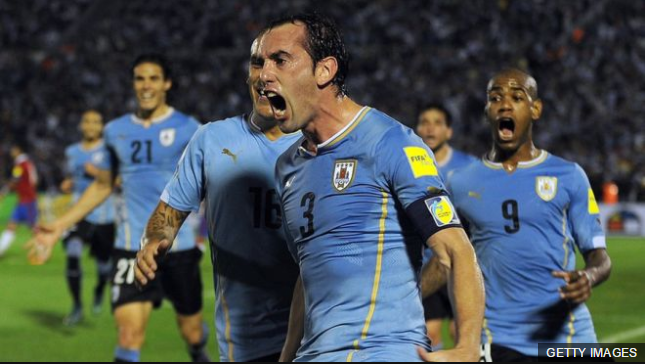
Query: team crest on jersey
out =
(167, 137)
(546, 187)
(97, 158)
(344, 172)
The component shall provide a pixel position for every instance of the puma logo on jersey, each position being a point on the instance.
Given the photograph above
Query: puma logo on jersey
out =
(225, 151)
(475, 195)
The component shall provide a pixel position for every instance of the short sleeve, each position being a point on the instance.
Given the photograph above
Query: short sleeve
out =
(584, 214)
(185, 191)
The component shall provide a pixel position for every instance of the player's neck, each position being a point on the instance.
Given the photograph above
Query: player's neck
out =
(269, 127)
(442, 153)
(149, 116)
(88, 144)
(511, 159)
(330, 119)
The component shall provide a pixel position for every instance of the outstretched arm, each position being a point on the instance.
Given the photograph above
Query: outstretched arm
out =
(162, 228)
(48, 234)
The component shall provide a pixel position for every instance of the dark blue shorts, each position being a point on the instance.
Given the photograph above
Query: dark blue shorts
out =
(25, 213)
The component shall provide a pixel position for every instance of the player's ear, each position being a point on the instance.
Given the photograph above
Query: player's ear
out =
(325, 71)
(537, 109)
(168, 84)
(449, 133)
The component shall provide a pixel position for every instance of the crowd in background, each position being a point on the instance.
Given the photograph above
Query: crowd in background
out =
(61, 57)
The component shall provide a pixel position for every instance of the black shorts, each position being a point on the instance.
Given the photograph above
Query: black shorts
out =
(178, 279)
(100, 238)
(438, 305)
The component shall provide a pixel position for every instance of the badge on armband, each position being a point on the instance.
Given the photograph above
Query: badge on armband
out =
(442, 211)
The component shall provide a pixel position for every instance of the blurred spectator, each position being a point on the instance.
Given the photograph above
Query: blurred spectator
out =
(60, 57)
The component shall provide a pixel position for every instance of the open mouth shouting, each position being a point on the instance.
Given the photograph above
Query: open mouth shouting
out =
(506, 128)
(278, 104)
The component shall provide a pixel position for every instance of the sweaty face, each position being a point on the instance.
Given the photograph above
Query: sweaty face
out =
(432, 127)
(260, 101)
(91, 125)
(150, 86)
(511, 110)
(288, 76)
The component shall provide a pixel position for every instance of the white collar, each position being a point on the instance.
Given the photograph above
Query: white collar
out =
(157, 120)
(350, 124)
(21, 158)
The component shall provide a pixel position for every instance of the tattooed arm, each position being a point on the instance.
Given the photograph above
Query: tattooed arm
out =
(163, 226)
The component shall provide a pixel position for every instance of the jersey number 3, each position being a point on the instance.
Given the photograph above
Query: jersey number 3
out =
(510, 212)
(308, 204)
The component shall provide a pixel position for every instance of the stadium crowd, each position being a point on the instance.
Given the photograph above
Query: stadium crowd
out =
(60, 58)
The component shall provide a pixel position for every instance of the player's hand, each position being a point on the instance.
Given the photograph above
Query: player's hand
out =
(453, 355)
(147, 260)
(42, 243)
(91, 170)
(578, 287)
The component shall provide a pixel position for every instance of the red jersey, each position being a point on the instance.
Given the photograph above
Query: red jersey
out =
(25, 179)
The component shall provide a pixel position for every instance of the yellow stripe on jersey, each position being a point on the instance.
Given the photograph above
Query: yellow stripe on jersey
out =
(572, 330)
(566, 240)
(227, 327)
(593, 208)
(377, 278)
(487, 332)
(420, 162)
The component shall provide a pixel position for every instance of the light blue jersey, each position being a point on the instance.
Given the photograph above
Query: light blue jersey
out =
(230, 165)
(77, 158)
(524, 226)
(146, 159)
(455, 160)
(345, 211)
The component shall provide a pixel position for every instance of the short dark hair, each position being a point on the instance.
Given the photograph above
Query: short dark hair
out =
(157, 59)
(441, 108)
(323, 39)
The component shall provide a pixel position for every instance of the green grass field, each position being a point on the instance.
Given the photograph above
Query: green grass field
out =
(34, 300)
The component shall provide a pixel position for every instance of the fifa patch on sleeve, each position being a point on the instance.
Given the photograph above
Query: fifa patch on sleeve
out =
(420, 162)
(17, 172)
(442, 211)
(593, 208)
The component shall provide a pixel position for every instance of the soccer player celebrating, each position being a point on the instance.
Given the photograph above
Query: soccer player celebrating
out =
(528, 210)
(24, 181)
(361, 195)
(435, 127)
(145, 148)
(97, 229)
(230, 164)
